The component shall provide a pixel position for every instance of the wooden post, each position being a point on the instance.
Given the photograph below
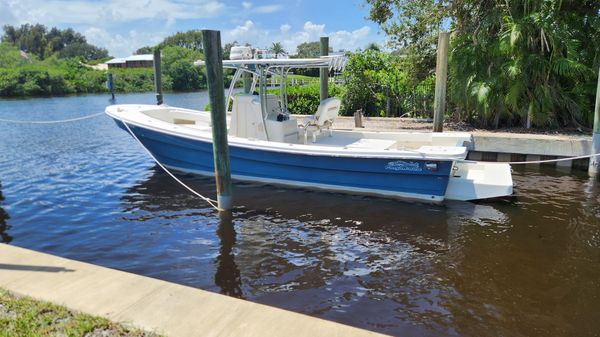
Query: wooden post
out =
(358, 122)
(441, 79)
(247, 82)
(388, 103)
(324, 72)
(211, 41)
(595, 161)
(110, 86)
(157, 77)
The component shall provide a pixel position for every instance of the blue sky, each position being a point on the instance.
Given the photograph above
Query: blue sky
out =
(122, 26)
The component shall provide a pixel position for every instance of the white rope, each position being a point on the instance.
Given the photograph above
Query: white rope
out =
(52, 122)
(208, 200)
(533, 161)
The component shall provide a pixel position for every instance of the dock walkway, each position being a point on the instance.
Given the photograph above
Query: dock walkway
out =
(151, 304)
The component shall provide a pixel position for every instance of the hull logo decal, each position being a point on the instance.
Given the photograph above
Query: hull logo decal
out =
(404, 166)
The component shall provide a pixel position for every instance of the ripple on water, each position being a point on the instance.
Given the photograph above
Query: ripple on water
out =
(524, 266)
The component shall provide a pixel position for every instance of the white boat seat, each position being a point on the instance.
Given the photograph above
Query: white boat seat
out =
(323, 119)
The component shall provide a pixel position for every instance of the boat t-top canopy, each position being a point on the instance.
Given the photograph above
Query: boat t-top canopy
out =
(260, 68)
(334, 62)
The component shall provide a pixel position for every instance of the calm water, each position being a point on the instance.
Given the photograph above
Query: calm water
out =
(528, 266)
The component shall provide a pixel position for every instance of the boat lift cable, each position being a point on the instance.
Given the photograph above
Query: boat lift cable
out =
(53, 121)
(211, 202)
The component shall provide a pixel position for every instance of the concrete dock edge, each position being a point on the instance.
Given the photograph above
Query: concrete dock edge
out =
(151, 304)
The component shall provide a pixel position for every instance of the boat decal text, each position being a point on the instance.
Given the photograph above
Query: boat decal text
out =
(405, 166)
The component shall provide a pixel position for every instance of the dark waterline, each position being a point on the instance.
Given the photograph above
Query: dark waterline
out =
(526, 266)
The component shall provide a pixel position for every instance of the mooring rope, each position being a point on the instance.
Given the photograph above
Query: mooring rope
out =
(532, 161)
(208, 200)
(52, 121)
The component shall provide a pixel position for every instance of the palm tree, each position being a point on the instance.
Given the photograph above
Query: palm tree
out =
(277, 49)
(526, 62)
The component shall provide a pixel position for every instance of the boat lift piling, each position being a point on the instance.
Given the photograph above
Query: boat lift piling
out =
(324, 72)
(595, 160)
(157, 77)
(441, 81)
(110, 86)
(247, 82)
(211, 41)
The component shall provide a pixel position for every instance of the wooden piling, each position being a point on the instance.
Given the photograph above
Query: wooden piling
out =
(441, 81)
(593, 167)
(358, 122)
(157, 77)
(324, 72)
(247, 82)
(110, 86)
(211, 41)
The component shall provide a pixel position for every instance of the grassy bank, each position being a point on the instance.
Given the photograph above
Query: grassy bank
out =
(24, 316)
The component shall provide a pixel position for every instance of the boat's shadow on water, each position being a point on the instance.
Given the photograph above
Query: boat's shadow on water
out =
(160, 192)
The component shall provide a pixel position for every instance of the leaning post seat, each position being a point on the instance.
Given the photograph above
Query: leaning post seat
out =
(323, 119)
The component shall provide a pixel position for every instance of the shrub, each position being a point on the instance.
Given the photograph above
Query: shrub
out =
(304, 100)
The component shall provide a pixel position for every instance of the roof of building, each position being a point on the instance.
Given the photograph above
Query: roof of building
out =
(116, 60)
(142, 57)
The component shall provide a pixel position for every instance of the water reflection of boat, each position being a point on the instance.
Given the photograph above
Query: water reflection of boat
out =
(159, 193)
(266, 145)
(316, 252)
(4, 227)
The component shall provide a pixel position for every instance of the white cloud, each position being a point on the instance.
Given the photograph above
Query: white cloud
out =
(119, 45)
(122, 26)
(264, 9)
(251, 33)
(313, 29)
(267, 9)
(51, 12)
(246, 33)
(350, 40)
(6, 15)
(285, 28)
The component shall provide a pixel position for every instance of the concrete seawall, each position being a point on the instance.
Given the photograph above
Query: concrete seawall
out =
(496, 146)
(506, 147)
(150, 304)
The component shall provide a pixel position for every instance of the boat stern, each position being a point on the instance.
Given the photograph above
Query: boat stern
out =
(473, 181)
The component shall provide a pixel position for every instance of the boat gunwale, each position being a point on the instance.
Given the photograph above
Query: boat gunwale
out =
(256, 144)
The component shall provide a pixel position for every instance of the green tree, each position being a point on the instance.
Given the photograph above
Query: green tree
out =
(375, 83)
(277, 49)
(527, 63)
(185, 76)
(179, 71)
(511, 62)
(37, 40)
(144, 50)
(308, 49)
(83, 50)
(413, 26)
(191, 40)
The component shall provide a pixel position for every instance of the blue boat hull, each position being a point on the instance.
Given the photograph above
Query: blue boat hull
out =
(404, 178)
